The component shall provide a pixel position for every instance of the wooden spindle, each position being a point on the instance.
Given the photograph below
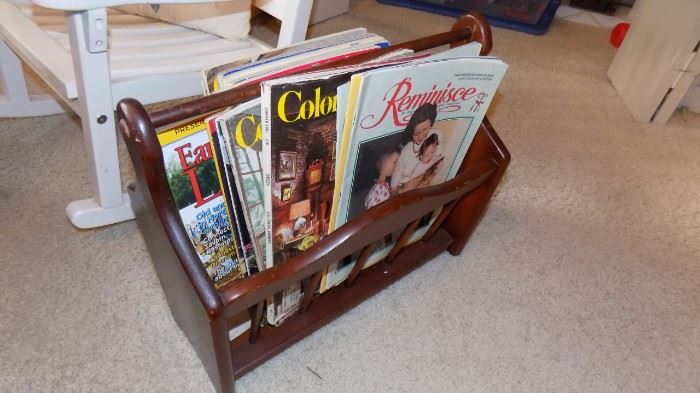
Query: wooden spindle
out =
(360, 263)
(310, 287)
(438, 221)
(403, 239)
(256, 314)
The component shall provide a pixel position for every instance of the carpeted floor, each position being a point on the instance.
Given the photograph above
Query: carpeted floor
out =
(584, 275)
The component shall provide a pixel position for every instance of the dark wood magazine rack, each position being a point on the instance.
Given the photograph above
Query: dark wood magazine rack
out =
(203, 312)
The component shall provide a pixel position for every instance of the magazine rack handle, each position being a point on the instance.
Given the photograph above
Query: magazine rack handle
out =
(480, 31)
(469, 27)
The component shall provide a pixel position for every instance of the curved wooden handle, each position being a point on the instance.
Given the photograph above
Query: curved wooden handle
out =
(469, 27)
(480, 31)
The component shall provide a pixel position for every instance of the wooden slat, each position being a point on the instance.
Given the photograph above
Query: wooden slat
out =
(360, 263)
(446, 210)
(123, 20)
(163, 66)
(90, 4)
(310, 288)
(133, 50)
(402, 240)
(159, 87)
(42, 15)
(31, 10)
(121, 29)
(155, 40)
(185, 51)
(256, 314)
(156, 27)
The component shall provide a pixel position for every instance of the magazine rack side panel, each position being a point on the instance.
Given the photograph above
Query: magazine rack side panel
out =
(462, 221)
(195, 305)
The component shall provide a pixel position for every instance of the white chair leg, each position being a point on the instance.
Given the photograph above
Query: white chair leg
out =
(294, 15)
(88, 41)
(16, 101)
(295, 22)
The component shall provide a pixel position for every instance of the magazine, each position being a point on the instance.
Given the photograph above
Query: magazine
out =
(224, 169)
(210, 74)
(469, 50)
(298, 135)
(194, 184)
(241, 130)
(280, 62)
(404, 131)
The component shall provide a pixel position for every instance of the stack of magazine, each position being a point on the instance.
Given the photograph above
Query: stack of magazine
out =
(264, 180)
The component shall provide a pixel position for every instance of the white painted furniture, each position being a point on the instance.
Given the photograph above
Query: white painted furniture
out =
(326, 9)
(91, 65)
(658, 62)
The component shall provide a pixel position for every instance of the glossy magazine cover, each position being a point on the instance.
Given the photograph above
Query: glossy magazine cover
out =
(196, 191)
(409, 127)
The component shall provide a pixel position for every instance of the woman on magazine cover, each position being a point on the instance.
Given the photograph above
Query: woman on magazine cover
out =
(419, 127)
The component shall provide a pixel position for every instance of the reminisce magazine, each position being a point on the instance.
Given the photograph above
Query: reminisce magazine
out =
(406, 127)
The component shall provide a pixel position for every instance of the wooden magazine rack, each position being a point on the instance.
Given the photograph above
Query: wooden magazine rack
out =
(203, 312)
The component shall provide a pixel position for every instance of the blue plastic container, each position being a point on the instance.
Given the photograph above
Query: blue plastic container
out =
(538, 28)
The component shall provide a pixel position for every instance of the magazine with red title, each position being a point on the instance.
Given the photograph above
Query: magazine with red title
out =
(408, 126)
(194, 184)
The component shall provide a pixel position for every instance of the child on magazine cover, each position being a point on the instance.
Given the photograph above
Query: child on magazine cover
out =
(418, 128)
(381, 191)
(428, 157)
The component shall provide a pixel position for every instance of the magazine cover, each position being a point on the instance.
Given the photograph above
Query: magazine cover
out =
(194, 184)
(349, 94)
(406, 131)
(299, 145)
(234, 208)
(241, 130)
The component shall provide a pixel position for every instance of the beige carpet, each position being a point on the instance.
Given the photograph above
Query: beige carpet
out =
(584, 275)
